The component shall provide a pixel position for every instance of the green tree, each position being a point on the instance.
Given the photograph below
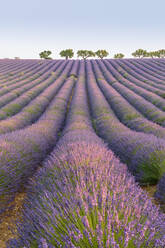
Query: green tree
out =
(151, 54)
(140, 53)
(68, 53)
(85, 54)
(118, 56)
(161, 53)
(101, 53)
(45, 55)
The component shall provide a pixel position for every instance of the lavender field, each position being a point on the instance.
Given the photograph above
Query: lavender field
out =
(81, 138)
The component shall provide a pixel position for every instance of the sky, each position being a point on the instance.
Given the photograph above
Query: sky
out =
(28, 27)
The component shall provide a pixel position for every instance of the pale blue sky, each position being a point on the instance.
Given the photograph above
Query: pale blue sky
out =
(28, 27)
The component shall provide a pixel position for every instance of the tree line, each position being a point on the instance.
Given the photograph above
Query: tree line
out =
(69, 53)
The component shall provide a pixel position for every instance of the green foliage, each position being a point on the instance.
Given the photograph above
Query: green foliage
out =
(45, 55)
(153, 168)
(118, 56)
(153, 54)
(68, 53)
(85, 54)
(140, 53)
(101, 53)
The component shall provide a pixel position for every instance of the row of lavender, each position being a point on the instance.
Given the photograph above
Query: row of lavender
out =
(20, 74)
(127, 74)
(143, 153)
(25, 94)
(83, 196)
(151, 166)
(151, 112)
(125, 112)
(139, 87)
(32, 111)
(23, 150)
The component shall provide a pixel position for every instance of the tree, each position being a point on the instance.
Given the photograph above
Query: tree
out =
(68, 53)
(45, 55)
(118, 56)
(157, 54)
(102, 53)
(139, 53)
(150, 54)
(85, 54)
(161, 53)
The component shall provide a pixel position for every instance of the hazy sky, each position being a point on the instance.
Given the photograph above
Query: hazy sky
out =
(28, 27)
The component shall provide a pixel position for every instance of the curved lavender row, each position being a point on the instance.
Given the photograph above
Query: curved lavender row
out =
(140, 76)
(149, 71)
(144, 72)
(125, 112)
(150, 111)
(12, 95)
(159, 63)
(153, 69)
(8, 87)
(36, 107)
(23, 66)
(16, 105)
(160, 191)
(143, 153)
(15, 68)
(70, 205)
(131, 73)
(37, 70)
(22, 151)
(5, 63)
(84, 197)
(125, 71)
(149, 96)
(11, 75)
(25, 70)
